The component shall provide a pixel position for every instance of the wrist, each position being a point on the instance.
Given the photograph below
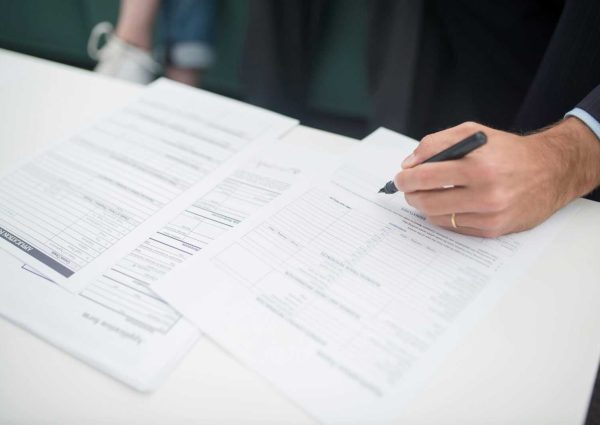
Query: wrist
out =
(574, 153)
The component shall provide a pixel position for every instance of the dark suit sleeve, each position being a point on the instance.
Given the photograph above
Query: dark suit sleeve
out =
(569, 70)
(591, 103)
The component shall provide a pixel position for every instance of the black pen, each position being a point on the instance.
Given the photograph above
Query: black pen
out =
(455, 151)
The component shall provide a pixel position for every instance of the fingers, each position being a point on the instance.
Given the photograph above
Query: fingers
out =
(481, 191)
(435, 176)
(469, 231)
(489, 225)
(437, 142)
(453, 200)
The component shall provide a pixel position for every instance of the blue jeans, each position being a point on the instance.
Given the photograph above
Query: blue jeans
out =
(187, 29)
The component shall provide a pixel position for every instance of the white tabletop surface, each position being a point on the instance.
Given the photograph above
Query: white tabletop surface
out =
(532, 360)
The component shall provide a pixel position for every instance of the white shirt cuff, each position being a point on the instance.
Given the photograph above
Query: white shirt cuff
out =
(587, 119)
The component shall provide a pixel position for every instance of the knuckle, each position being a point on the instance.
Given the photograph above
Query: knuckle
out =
(426, 140)
(496, 200)
(422, 151)
(428, 146)
(488, 170)
(470, 125)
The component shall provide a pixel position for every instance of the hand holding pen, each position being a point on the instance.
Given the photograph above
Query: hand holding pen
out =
(514, 183)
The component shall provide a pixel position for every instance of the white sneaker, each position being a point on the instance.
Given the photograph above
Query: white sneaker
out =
(120, 59)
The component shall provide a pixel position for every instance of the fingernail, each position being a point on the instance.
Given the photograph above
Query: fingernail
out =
(409, 161)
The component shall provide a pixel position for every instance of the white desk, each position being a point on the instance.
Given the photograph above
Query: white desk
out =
(531, 361)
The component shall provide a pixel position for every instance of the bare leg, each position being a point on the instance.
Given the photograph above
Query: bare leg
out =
(136, 22)
(188, 76)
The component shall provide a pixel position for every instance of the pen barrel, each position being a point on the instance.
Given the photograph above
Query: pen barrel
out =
(460, 149)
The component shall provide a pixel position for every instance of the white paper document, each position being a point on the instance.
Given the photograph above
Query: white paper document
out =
(111, 340)
(189, 166)
(116, 322)
(79, 206)
(346, 299)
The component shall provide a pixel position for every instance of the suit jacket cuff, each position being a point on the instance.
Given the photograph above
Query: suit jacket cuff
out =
(589, 120)
(590, 107)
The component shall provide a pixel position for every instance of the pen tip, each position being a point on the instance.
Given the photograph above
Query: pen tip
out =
(382, 190)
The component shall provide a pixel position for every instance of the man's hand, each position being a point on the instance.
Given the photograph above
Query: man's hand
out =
(511, 184)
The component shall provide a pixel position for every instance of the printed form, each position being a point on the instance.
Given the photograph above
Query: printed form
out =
(79, 206)
(115, 321)
(346, 299)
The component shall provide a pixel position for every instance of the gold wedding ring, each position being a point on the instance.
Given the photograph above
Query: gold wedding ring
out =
(453, 220)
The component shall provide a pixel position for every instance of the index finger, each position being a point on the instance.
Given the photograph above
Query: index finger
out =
(436, 142)
(434, 175)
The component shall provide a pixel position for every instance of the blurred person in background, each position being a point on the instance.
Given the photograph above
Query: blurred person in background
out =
(186, 35)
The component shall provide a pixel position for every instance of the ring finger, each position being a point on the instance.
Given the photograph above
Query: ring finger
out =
(445, 201)
(465, 222)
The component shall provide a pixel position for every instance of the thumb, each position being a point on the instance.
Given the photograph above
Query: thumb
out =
(436, 142)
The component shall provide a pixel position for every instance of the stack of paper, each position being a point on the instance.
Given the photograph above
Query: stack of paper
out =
(345, 299)
(107, 212)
